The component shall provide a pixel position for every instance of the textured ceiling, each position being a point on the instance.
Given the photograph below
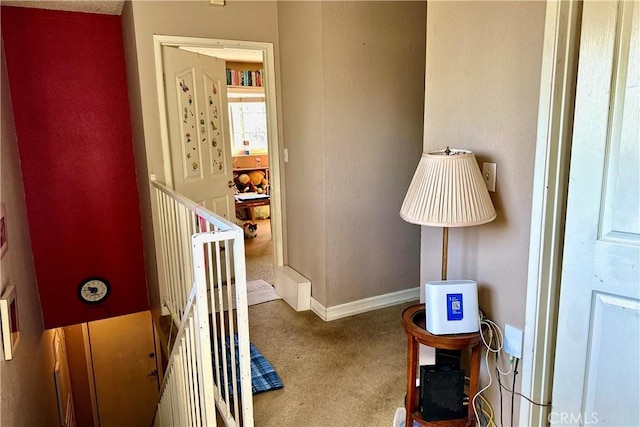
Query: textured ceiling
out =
(105, 7)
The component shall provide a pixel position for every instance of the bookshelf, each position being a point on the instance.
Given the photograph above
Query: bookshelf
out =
(244, 78)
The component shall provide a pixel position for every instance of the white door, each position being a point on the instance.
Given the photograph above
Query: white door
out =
(124, 369)
(597, 370)
(196, 96)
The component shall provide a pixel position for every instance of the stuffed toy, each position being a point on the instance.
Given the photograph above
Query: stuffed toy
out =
(259, 180)
(244, 184)
(254, 181)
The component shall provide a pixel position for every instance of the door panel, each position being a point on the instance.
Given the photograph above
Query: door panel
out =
(621, 316)
(124, 368)
(195, 90)
(596, 374)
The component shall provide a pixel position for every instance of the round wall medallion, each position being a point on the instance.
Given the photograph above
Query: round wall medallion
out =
(93, 290)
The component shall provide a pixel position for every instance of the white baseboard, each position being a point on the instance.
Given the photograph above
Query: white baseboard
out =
(364, 305)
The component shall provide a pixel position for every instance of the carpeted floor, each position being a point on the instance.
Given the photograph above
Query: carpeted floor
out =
(348, 372)
(259, 253)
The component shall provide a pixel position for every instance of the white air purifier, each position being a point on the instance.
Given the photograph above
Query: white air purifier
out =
(451, 307)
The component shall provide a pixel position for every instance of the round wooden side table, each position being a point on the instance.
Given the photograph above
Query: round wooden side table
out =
(413, 322)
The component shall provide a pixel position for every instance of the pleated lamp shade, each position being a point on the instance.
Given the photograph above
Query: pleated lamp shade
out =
(447, 190)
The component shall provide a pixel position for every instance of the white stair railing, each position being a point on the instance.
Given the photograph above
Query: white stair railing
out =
(209, 365)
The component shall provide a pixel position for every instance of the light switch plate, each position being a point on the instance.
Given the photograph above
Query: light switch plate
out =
(489, 176)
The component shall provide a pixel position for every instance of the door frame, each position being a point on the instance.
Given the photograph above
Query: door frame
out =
(551, 180)
(275, 169)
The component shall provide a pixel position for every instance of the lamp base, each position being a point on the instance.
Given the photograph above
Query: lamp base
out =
(451, 307)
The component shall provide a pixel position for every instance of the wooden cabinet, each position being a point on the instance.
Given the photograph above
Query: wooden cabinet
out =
(413, 322)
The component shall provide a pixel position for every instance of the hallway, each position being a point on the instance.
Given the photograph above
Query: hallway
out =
(259, 253)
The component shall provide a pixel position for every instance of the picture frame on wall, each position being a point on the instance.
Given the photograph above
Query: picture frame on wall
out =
(9, 322)
(4, 241)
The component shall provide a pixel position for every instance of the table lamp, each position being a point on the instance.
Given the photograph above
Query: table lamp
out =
(447, 190)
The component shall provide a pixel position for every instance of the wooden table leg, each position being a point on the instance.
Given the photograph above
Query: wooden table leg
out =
(474, 373)
(411, 403)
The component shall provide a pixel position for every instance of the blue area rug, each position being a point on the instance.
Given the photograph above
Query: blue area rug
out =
(263, 376)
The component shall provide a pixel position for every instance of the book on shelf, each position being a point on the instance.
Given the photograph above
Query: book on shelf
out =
(244, 78)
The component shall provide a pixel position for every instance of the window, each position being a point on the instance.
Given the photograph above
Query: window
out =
(248, 124)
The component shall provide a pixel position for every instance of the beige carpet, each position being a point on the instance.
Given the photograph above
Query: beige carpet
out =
(259, 253)
(348, 372)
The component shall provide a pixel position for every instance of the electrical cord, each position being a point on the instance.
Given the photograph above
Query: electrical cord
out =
(500, 390)
(489, 327)
(494, 329)
(495, 345)
(488, 414)
(526, 398)
(513, 387)
(483, 420)
(487, 323)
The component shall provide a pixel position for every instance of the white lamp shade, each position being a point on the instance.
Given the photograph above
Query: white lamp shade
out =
(448, 190)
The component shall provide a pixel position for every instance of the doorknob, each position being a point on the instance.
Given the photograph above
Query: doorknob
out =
(153, 373)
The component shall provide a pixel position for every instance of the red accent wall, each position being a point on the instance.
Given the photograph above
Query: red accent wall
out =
(69, 93)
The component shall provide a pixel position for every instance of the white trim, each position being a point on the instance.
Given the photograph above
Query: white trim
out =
(276, 175)
(162, 108)
(275, 171)
(362, 306)
(555, 122)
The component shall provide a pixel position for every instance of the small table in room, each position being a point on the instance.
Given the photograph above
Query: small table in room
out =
(251, 200)
(413, 322)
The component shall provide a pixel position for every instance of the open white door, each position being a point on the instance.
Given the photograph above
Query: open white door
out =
(196, 97)
(597, 370)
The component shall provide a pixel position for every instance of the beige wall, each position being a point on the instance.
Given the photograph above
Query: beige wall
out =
(237, 20)
(483, 75)
(302, 102)
(352, 78)
(352, 106)
(27, 394)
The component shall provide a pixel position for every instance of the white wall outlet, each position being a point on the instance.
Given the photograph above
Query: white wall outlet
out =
(489, 176)
(285, 155)
(513, 341)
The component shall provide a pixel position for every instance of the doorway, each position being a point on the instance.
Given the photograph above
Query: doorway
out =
(238, 51)
(113, 370)
(561, 134)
